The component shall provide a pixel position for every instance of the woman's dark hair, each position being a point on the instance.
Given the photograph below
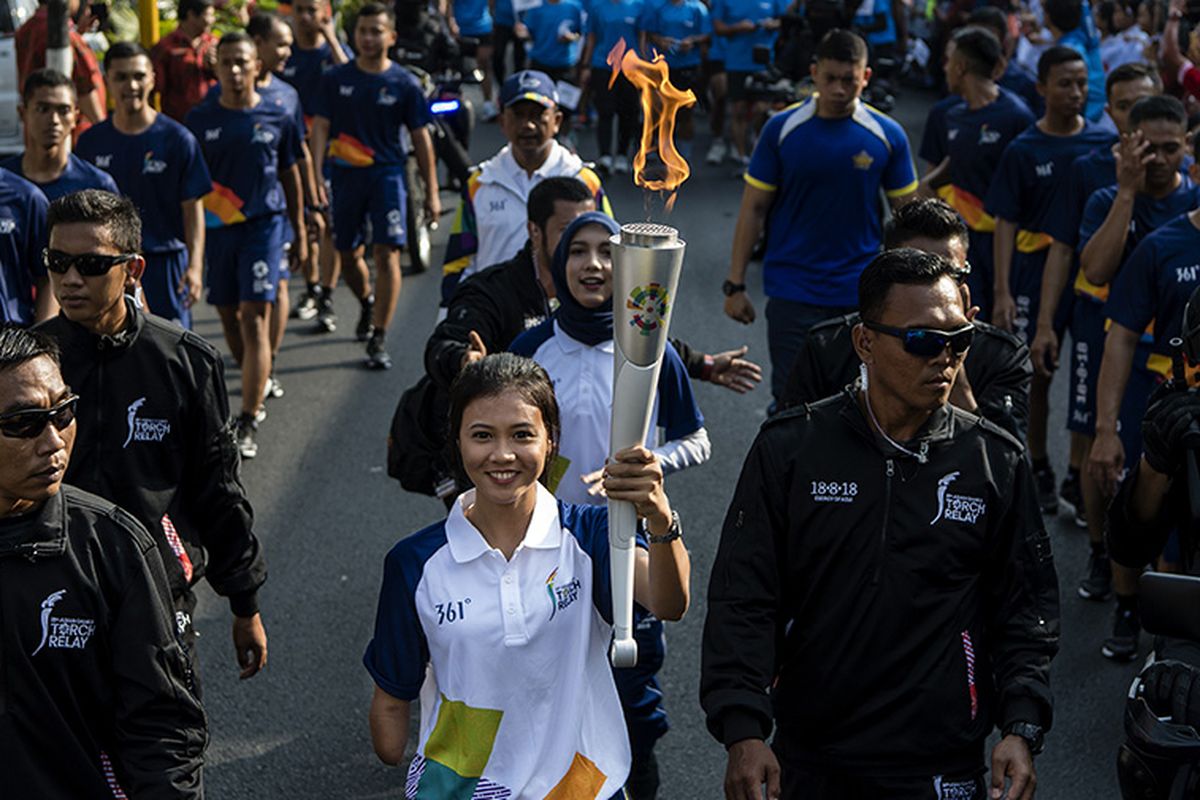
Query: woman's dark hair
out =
(19, 345)
(981, 49)
(114, 213)
(903, 267)
(498, 373)
(1058, 54)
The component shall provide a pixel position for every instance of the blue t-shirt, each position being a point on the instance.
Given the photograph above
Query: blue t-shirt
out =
(975, 141)
(824, 224)
(678, 21)
(158, 169)
(1088, 45)
(1089, 173)
(279, 95)
(549, 21)
(611, 21)
(739, 49)
(1149, 214)
(1017, 81)
(366, 111)
(504, 15)
(1032, 176)
(879, 25)
(1156, 282)
(78, 175)
(474, 18)
(933, 140)
(23, 236)
(303, 71)
(245, 150)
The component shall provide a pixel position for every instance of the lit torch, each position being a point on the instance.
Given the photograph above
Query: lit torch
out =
(647, 261)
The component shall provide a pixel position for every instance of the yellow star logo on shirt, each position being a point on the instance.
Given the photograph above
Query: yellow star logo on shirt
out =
(863, 160)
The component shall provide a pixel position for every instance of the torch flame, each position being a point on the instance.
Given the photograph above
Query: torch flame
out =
(660, 103)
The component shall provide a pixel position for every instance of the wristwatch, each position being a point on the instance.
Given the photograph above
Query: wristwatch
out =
(1032, 734)
(673, 533)
(730, 288)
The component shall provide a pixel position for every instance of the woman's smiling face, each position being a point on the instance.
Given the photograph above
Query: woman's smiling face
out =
(589, 266)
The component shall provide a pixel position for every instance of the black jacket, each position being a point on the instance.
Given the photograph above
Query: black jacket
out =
(154, 438)
(499, 304)
(997, 366)
(90, 668)
(852, 582)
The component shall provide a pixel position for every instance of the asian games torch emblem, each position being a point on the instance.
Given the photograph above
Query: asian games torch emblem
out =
(649, 305)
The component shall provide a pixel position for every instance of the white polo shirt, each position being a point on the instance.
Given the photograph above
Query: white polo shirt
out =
(521, 700)
(583, 385)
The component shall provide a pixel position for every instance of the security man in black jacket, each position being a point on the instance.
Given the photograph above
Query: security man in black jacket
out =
(95, 696)
(994, 382)
(154, 433)
(884, 593)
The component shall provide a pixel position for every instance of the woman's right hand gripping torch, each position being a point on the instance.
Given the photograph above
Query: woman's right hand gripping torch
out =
(647, 261)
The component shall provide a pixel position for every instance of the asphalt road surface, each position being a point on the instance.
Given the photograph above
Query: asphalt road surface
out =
(327, 514)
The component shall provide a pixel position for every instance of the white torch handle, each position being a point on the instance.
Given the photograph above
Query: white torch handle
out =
(633, 400)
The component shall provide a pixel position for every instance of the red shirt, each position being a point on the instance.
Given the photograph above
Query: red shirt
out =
(32, 42)
(180, 76)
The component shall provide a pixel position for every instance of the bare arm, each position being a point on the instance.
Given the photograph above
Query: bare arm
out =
(752, 217)
(293, 192)
(319, 136)
(1003, 244)
(389, 727)
(935, 178)
(1107, 456)
(722, 29)
(423, 145)
(193, 237)
(1101, 256)
(1045, 347)
(330, 33)
(1172, 58)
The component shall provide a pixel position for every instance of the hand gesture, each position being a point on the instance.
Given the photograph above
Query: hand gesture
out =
(731, 370)
(739, 308)
(594, 481)
(751, 765)
(1012, 760)
(250, 645)
(1044, 351)
(1132, 159)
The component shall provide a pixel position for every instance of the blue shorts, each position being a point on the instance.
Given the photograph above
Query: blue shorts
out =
(375, 194)
(1025, 281)
(160, 283)
(287, 237)
(1087, 352)
(243, 262)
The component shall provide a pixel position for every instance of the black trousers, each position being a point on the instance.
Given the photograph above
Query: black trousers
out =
(808, 782)
(503, 36)
(619, 105)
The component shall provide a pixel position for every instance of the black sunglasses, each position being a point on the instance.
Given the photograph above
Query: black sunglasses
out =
(90, 265)
(29, 424)
(928, 342)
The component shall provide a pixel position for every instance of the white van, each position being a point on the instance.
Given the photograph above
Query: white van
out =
(13, 14)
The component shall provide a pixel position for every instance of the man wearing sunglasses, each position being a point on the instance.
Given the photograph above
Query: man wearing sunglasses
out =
(154, 434)
(913, 549)
(96, 699)
(994, 380)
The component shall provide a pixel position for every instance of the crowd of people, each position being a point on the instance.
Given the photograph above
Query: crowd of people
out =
(887, 539)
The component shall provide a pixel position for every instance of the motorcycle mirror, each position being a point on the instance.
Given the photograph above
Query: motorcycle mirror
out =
(1170, 605)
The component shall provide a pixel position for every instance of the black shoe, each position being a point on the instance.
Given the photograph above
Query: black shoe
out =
(362, 331)
(1123, 644)
(1046, 493)
(326, 319)
(377, 354)
(1097, 585)
(1071, 493)
(246, 429)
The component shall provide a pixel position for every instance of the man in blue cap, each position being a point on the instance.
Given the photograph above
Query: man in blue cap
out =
(490, 225)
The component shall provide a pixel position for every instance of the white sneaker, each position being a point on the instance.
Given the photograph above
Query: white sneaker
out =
(716, 152)
(606, 164)
(489, 111)
(621, 165)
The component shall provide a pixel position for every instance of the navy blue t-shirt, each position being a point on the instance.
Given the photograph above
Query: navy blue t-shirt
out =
(279, 95)
(1156, 282)
(304, 69)
(1090, 172)
(1019, 83)
(975, 141)
(366, 111)
(1149, 214)
(245, 150)
(78, 175)
(158, 169)
(933, 140)
(826, 175)
(23, 236)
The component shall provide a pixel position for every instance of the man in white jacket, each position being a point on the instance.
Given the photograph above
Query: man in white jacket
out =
(490, 224)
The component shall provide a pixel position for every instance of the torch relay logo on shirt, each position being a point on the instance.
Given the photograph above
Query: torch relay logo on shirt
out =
(62, 633)
(957, 507)
(561, 596)
(144, 430)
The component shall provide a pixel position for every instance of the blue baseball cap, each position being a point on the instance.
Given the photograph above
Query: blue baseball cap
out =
(529, 85)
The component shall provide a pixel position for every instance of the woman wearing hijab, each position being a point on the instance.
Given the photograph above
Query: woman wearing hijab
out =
(575, 347)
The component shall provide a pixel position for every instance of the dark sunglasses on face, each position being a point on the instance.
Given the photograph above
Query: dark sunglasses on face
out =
(928, 342)
(90, 265)
(29, 424)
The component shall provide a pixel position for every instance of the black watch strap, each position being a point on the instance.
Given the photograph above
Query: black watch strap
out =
(730, 288)
(1031, 733)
